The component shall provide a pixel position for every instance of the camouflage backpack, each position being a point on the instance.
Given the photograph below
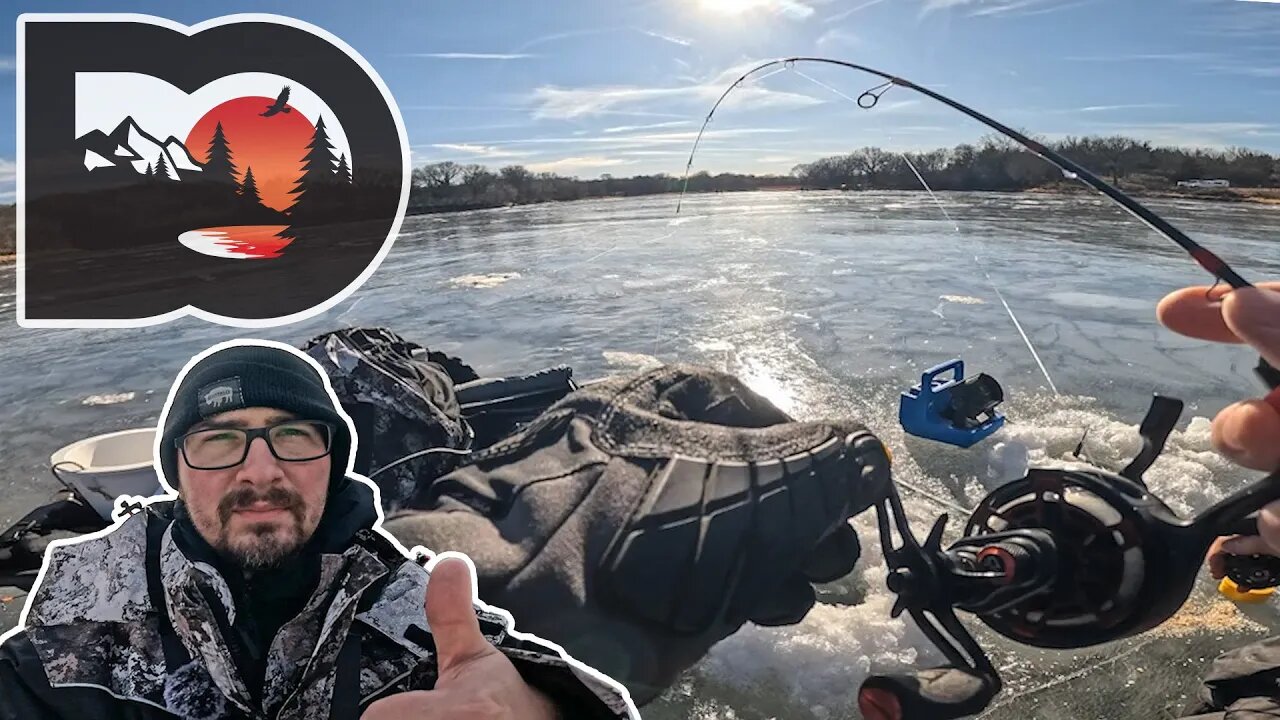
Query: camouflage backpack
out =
(401, 398)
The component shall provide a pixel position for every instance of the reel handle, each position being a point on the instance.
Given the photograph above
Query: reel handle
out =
(1252, 572)
(943, 693)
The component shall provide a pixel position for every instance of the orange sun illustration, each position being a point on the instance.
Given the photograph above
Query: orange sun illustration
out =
(272, 146)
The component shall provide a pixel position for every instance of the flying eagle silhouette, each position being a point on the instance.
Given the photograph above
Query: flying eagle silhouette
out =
(279, 104)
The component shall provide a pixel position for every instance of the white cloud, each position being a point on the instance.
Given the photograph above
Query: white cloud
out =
(566, 103)
(932, 5)
(669, 38)
(550, 101)
(655, 153)
(897, 105)
(523, 110)
(792, 8)
(1132, 106)
(598, 153)
(1257, 71)
(650, 126)
(579, 164)
(471, 56)
(838, 38)
(486, 151)
(588, 32)
(1001, 7)
(643, 139)
(856, 8)
(1143, 57)
(1004, 6)
(542, 40)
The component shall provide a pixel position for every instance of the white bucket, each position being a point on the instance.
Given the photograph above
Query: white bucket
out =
(104, 467)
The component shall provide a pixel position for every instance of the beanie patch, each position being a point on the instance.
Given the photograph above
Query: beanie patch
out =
(221, 396)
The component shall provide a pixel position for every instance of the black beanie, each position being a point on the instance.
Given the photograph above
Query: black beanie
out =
(246, 376)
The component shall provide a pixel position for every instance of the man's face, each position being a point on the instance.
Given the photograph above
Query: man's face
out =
(261, 510)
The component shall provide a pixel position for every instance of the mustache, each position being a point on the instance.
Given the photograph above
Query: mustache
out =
(244, 497)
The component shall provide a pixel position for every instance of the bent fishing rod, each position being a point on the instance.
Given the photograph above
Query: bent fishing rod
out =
(1063, 557)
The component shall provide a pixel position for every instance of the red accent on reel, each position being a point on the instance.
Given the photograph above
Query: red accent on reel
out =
(1007, 562)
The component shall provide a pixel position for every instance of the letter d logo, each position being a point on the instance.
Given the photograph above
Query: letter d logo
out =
(251, 170)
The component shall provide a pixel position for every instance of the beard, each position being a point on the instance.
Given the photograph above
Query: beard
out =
(266, 544)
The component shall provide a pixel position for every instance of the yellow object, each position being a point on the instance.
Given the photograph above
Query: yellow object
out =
(1232, 592)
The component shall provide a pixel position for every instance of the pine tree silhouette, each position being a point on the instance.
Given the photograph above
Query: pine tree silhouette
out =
(343, 174)
(219, 167)
(150, 173)
(249, 189)
(317, 170)
(162, 169)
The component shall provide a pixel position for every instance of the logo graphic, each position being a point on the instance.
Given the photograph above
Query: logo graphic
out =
(250, 170)
(211, 399)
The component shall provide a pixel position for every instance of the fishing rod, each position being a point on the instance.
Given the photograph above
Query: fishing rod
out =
(1063, 557)
(1208, 260)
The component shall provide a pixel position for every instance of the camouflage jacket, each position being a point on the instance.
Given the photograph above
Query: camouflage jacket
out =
(125, 625)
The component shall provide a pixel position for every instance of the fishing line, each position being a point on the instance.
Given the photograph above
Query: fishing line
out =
(860, 102)
(930, 496)
(819, 83)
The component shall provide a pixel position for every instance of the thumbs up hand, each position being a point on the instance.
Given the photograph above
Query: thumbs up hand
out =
(475, 680)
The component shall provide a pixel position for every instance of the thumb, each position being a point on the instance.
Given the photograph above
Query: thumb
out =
(451, 614)
(1253, 314)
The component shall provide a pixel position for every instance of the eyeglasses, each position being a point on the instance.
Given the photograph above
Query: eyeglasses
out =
(290, 441)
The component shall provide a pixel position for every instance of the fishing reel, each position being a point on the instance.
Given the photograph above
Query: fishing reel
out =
(1062, 558)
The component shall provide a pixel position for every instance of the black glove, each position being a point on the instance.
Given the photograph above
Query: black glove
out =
(641, 520)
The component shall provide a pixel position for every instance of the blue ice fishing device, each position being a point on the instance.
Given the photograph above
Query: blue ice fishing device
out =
(956, 411)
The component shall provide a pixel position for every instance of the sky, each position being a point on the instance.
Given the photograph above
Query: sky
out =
(583, 87)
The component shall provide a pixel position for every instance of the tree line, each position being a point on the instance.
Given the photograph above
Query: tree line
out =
(999, 164)
(449, 185)
(994, 163)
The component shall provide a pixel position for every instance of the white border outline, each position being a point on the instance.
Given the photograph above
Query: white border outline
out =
(189, 31)
(508, 620)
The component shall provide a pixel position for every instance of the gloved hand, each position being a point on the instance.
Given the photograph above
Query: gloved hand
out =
(641, 520)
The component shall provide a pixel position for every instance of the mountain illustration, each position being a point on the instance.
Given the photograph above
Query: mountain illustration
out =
(129, 147)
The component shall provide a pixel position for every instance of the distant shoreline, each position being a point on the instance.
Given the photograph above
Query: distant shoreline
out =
(1255, 196)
